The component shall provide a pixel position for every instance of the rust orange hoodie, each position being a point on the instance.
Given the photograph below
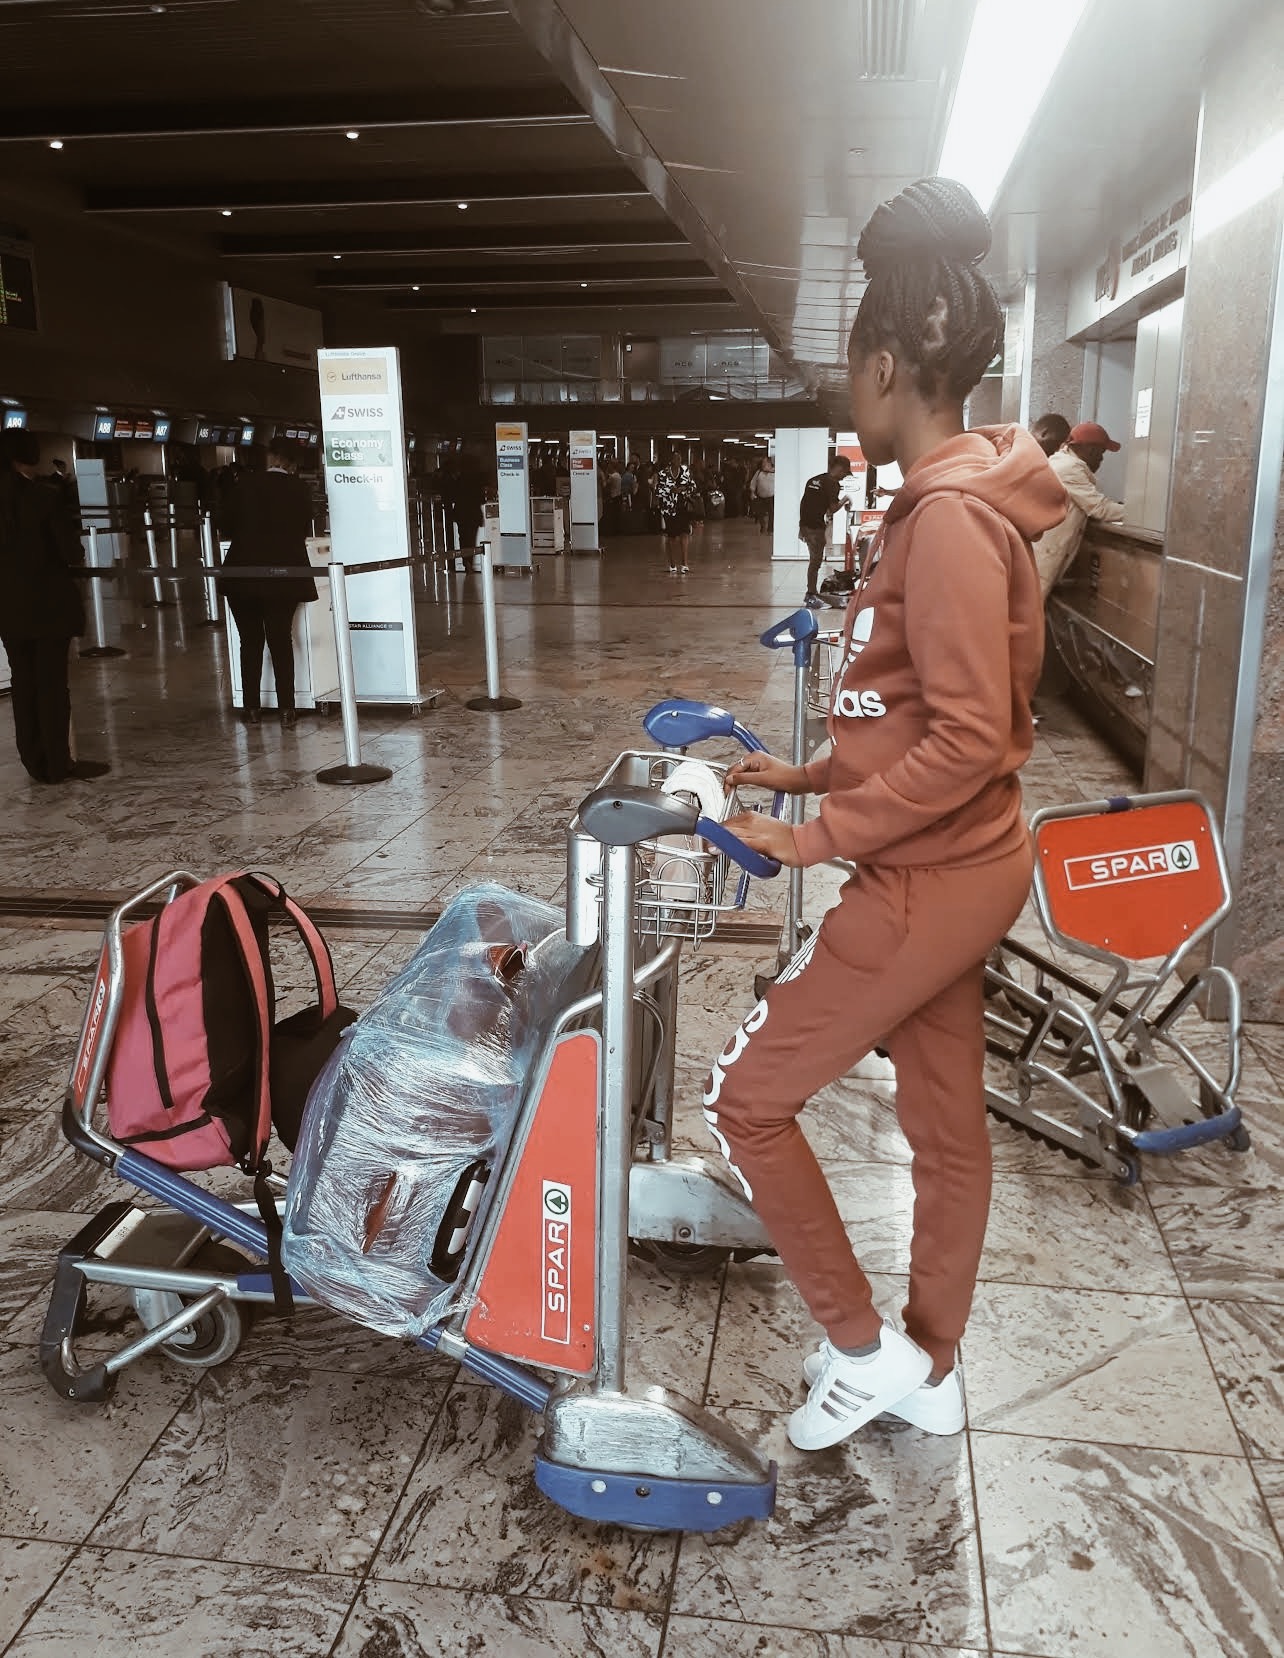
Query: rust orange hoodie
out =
(943, 643)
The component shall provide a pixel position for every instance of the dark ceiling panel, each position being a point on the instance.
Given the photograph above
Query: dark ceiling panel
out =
(329, 194)
(461, 236)
(556, 300)
(465, 107)
(669, 271)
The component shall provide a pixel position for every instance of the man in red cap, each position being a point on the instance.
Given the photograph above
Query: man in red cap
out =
(1074, 464)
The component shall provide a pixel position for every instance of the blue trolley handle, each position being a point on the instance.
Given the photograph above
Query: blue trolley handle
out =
(754, 863)
(798, 630)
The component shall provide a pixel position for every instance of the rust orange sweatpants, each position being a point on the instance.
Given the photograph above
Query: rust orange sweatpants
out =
(897, 963)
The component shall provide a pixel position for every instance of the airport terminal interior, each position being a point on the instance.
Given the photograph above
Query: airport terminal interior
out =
(518, 291)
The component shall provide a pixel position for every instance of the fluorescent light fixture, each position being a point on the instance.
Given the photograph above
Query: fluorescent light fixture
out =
(1012, 54)
(1248, 182)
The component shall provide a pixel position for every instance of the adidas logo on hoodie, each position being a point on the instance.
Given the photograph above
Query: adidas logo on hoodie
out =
(859, 705)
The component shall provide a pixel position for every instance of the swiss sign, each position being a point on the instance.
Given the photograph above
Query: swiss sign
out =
(1132, 863)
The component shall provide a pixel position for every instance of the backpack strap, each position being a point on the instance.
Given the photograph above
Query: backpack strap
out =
(313, 942)
(257, 1164)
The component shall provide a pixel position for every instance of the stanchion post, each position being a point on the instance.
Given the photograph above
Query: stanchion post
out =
(213, 616)
(99, 647)
(352, 771)
(494, 701)
(158, 601)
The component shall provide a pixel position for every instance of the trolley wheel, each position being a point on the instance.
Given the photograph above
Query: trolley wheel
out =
(684, 1260)
(1240, 1140)
(216, 1335)
(1130, 1174)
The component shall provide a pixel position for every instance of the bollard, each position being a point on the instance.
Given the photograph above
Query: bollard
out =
(158, 601)
(494, 701)
(99, 647)
(213, 615)
(352, 771)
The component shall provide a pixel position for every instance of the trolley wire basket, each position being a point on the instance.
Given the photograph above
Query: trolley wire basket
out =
(826, 660)
(683, 885)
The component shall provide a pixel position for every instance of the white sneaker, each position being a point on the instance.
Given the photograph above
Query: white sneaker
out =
(686, 569)
(846, 1393)
(941, 1409)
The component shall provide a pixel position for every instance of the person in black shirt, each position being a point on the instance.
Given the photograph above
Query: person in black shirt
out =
(270, 519)
(41, 611)
(819, 499)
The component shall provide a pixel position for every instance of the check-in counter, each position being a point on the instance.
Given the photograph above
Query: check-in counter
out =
(1102, 622)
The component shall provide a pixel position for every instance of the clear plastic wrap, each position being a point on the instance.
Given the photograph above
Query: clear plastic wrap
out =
(415, 1107)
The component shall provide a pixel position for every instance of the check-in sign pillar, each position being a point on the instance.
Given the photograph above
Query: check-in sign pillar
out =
(514, 495)
(584, 525)
(365, 481)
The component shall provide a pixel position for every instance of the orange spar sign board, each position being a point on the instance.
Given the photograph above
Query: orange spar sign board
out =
(1137, 882)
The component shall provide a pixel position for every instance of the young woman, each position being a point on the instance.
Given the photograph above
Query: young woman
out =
(675, 491)
(929, 724)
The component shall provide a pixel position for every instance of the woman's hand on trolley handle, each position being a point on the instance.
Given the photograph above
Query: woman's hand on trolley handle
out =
(764, 771)
(770, 835)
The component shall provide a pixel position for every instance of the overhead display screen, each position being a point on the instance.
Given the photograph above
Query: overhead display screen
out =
(17, 285)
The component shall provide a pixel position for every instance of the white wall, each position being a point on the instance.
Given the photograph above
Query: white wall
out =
(801, 452)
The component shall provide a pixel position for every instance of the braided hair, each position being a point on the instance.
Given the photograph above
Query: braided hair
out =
(921, 253)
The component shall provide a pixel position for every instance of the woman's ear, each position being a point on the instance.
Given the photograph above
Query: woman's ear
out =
(885, 372)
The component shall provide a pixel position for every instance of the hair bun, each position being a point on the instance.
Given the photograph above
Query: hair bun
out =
(935, 218)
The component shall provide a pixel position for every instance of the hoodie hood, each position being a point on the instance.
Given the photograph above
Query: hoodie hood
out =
(1000, 465)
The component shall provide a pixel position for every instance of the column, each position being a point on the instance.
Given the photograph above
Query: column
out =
(1217, 720)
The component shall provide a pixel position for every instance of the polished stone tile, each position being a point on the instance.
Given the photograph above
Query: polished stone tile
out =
(123, 1605)
(38, 1168)
(709, 1638)
(875, 1537)
(29, 1245)
(319, 1461)
(27, 1571)
(62, 1464)
(398, 1620)
(473, 1519)
(1245, 1343)
(1270, 1479)
(1092, 1551)
(765, 1330)
(1087, 1234)
(1086, 1364)
(1226, 1244)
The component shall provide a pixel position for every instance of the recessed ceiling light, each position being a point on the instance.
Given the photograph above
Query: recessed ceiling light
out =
(583, 284)
(352, 135)
(414, 287)
(55, 143)
(472, 310)
(462, 206)
(336, 256)
(227, 212)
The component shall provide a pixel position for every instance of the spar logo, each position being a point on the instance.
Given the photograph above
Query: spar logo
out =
(555, 1318)
(1134, 863)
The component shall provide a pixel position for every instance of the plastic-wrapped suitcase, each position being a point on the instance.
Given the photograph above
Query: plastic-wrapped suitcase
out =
(416, 1106)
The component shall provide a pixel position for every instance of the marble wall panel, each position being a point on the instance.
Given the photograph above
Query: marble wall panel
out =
(1056, 372)
(1196, 669)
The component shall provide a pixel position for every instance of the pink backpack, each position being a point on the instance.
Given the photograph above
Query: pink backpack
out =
(198, 1069)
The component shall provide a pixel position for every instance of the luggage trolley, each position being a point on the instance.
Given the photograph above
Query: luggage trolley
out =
(1123, 882)
(543, 1283)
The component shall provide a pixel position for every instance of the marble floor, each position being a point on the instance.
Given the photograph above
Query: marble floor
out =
(1120, 1488)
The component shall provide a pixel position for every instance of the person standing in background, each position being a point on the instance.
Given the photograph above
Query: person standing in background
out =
(271, 518)
(820, 497)
(41, 612)
(675, 491)
(1050, 431)
(764, 493)
(1075, 466)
